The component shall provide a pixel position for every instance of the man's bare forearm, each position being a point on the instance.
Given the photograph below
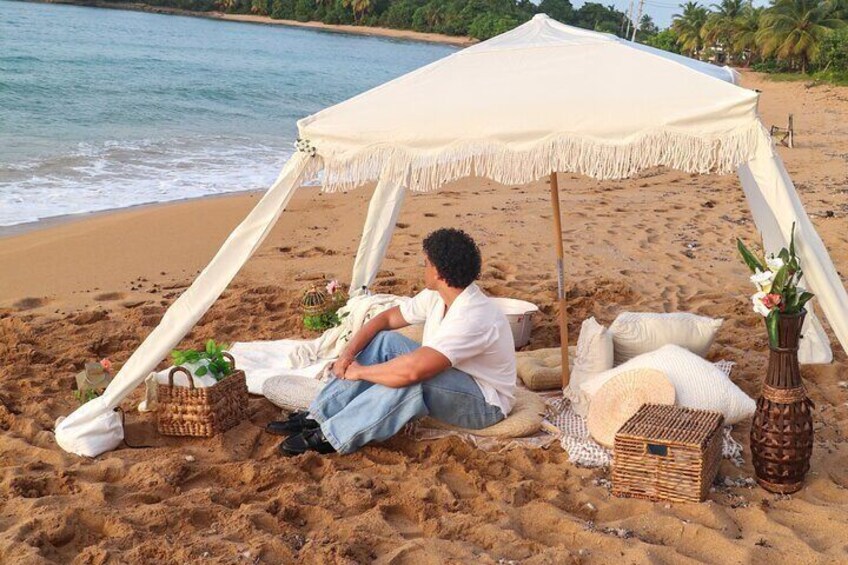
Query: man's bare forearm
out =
(395, 373)
(364, 336)
(389, 320)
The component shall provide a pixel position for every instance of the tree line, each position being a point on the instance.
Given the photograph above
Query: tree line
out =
(479, 19)
(786, 36)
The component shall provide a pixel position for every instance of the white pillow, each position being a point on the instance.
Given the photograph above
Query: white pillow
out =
(594, 356)
(697, 382)
(635, 333)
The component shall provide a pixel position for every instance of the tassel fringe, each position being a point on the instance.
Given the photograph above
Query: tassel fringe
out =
(423, 172)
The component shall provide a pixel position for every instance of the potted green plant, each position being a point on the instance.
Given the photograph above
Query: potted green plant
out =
(209, 361)
(202, 411)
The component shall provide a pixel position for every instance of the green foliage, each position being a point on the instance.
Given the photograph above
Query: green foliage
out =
(216, 364)
(303, 10)
(647, 27)
(753, 262)
(260, 7)
(779, 293)
(598, 17)
(833, 54)
(689, 27)
(321, 322)
(399, 14)
(89, 394)
(485, 26)
(771, 65)
(479, 19)
(560, 10)
(665, 40)
(793, 30)
(282, 9)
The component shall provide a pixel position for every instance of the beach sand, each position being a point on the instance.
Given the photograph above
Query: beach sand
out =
(95, 287)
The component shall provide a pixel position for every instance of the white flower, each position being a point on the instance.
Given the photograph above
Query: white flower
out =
(774, 263)
(763, 280)
(759, 307)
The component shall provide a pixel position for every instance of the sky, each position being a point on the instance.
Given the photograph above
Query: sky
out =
(660, 10)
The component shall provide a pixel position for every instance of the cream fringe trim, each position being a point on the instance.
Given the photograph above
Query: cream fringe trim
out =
(566, 154)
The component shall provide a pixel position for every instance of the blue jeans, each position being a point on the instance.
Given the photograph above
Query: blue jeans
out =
(353, 413)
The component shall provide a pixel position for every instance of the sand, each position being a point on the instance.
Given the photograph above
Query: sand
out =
(95, 287)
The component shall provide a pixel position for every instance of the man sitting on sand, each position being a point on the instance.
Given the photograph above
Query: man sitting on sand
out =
(463, 373)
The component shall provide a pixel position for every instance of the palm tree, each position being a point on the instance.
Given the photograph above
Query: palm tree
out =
(226, 5)
(688, 26)
(793, 29)
(745, 33)
(721, 24)
(359, 7)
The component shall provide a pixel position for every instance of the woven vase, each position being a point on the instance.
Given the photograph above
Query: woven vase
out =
(782, 430)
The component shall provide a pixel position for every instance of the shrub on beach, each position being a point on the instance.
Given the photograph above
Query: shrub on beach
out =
(833, 54)
(485, 26)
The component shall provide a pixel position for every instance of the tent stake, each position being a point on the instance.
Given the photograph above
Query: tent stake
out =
(563, 313)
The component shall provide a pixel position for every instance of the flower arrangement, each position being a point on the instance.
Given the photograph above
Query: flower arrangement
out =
(321, 307)
(211, 360)
(776, 278)
(93, 380)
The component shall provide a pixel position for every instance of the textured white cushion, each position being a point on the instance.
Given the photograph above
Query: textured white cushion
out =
(635, 333)
(697, 382)
(594, 356)
(291, 392)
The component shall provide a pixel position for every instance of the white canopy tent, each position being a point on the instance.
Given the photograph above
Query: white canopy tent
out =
(540, 99)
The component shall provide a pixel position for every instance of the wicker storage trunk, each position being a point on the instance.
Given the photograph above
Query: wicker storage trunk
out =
(667, 453)
(202, 412)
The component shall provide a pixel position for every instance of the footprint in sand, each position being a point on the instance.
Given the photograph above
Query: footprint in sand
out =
(401, 225)
(315, 251)
(402, 520)
(29, 303)
(109, 296)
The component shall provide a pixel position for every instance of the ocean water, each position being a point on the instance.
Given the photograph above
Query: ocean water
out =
(103, 109)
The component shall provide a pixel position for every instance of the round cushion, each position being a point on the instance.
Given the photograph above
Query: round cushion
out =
(541, 369)
(524, 420)
(621, 397)
(291, 392)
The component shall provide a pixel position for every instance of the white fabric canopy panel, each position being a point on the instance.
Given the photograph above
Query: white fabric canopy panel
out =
(544, 97)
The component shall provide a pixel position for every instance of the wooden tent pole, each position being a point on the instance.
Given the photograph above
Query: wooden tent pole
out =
(563, 313)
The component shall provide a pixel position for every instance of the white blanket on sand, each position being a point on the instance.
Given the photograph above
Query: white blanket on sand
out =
(262, 360)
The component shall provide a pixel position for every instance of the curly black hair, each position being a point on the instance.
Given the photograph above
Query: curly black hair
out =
(455, 256)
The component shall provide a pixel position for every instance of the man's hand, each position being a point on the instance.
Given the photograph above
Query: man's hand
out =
(341, 365)
(354, 372)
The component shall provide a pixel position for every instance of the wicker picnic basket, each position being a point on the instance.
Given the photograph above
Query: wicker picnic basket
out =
(667, 453)
(202, 411)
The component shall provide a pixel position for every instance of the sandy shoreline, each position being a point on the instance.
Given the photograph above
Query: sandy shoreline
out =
(81, 290)
(389, 33)
(55, 221)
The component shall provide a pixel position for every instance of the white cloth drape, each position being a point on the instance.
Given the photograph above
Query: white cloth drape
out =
(775, 205)
(95, 427)
(383, 211)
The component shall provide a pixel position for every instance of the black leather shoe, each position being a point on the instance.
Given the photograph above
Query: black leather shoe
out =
(297, 422)
(309, 440)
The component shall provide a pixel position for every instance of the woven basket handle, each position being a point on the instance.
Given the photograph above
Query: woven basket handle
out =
(231, 359)
(184, 370)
